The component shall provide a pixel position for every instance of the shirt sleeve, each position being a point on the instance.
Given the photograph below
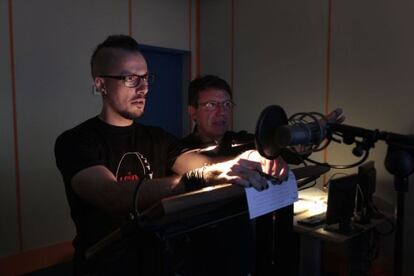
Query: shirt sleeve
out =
(173, 150)
(74, 152)
(166, 150)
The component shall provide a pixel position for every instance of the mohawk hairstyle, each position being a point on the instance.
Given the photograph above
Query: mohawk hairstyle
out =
(123, 42)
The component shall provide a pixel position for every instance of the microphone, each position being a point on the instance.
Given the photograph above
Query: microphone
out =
(300, 134)
(273, 132)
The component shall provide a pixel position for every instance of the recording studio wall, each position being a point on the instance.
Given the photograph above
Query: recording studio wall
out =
(302, 55)
(45, 76)
(317, 55)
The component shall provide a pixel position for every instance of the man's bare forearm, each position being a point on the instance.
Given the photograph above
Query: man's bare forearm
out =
(98, 186)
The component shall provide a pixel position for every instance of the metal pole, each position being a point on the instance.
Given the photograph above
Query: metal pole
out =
(401, 186)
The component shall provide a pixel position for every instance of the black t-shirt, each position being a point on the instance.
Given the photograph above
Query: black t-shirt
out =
(128, 152)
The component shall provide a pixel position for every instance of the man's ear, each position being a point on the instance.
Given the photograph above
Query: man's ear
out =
(100, 85)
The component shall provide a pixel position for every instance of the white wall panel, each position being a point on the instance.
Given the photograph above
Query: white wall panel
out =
(54, 42)
(372, 78)
(161, 23)
(215, 38)
(279, 57)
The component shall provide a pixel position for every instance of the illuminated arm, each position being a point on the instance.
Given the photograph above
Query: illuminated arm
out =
(98, 186)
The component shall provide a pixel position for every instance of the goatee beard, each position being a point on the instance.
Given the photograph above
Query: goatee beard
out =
(130, 116)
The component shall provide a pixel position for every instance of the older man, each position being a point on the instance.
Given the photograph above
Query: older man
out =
(210, 107)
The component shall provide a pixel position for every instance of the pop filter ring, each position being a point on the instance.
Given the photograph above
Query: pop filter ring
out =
(271, 117)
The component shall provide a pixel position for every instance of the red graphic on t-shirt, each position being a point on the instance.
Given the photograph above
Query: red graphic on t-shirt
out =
(129, 177)
(132, 166)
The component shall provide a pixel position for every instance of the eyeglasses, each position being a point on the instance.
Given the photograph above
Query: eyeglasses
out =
(213, 105)
(133, 81)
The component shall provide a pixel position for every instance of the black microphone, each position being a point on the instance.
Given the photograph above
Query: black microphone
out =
(300, 134)
(274, 134)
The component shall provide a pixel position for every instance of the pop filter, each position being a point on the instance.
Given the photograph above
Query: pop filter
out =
(269, 120)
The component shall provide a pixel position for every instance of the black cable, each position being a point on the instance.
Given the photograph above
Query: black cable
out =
(302, 156)
(341, 167)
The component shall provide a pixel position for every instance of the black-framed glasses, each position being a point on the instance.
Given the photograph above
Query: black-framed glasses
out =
(133, 80)
(213, 105)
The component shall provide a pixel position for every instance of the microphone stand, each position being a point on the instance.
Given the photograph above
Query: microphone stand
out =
(399, 161)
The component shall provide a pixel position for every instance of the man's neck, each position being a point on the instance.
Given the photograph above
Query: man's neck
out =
(114, 119)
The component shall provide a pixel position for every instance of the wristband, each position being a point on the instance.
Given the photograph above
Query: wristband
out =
(194, 179)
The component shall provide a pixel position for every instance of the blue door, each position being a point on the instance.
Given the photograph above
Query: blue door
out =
(164, 101)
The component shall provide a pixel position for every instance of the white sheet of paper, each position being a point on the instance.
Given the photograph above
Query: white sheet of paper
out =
(275, 197)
